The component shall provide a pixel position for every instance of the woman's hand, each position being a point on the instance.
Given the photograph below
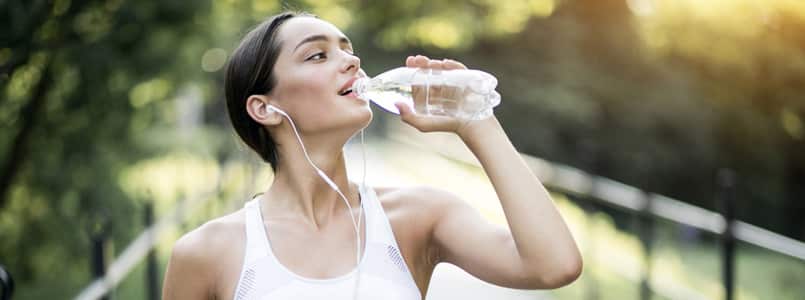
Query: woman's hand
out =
(429, 123)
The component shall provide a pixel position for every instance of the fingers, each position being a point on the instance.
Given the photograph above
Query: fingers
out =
(409, 62)
(421, 61)
(452, 64)
(435, 64)
(410, 117)
(425, 123)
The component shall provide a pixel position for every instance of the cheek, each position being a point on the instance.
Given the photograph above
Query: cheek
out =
(308, 95)
(306, 89)
(309, 84)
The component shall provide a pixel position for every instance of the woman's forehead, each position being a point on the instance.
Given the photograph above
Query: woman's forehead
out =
(295, 30)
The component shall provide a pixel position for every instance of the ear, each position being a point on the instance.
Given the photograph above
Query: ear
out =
(257, 107)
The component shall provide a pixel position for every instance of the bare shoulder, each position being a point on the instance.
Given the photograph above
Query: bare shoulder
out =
(212, 238)
(424, 200)
(414, 211)
(212, 250)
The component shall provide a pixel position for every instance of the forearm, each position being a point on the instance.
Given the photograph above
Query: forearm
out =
(538, 230)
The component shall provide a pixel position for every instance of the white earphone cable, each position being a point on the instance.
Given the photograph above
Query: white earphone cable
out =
(337, 190)
(363, 187)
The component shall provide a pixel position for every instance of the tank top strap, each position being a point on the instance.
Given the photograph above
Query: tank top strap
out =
(256, 243)
(383, 235)
(376, 217)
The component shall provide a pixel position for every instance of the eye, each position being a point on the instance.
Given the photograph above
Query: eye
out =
(317, 56)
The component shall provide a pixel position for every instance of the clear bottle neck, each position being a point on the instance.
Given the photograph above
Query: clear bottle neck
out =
(362, 85)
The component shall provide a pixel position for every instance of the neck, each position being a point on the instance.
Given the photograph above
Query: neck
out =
(298, 189)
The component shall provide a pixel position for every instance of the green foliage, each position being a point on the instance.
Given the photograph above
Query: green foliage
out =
(66, 141)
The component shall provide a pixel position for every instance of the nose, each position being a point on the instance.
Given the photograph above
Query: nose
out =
(351, 63)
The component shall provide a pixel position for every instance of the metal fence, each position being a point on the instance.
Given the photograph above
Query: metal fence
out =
(646, 206)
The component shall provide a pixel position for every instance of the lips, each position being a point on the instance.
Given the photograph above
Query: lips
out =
(347, 87)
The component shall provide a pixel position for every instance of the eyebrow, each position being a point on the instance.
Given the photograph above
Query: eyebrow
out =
(321, 37)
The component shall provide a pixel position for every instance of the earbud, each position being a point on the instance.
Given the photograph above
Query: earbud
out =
(275, 109)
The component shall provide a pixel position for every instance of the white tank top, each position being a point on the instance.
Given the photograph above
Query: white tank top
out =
(383, 272)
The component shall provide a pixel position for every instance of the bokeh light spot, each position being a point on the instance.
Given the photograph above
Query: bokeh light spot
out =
(792, 124)
(213, 59)
(641, 8)
(542, 8)
(437, 32)
(149, 91)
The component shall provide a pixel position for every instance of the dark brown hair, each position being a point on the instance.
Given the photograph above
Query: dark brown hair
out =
(250, 72)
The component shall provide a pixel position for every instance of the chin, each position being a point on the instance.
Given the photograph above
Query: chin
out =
(351, 120)
(352, 115)
(363, 117)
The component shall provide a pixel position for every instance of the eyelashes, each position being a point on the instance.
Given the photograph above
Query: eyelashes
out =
(323, 55)
(313, 57)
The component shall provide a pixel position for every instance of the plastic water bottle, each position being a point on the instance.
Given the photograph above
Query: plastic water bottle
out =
(463, 94)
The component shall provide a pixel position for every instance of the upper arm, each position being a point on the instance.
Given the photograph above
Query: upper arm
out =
(485, 250)
(188, 275)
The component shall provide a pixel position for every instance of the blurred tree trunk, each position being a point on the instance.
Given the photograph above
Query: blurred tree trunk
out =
(30, 113)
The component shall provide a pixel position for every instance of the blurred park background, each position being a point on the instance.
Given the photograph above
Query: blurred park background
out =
(112, 118)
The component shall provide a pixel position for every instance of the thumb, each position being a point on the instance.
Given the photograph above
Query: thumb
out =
(404, 109)
(407, 115)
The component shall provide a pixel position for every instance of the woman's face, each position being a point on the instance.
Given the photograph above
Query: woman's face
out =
(315, 62)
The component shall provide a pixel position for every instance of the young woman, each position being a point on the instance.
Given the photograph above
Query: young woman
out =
(297, 240)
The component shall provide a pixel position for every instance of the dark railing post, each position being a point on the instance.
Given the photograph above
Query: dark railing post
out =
(98, 262)
(726, 188)
(151, 281)
(644, 225)
(7, 284)
(589, 152)
(591, 286)
(98, 231)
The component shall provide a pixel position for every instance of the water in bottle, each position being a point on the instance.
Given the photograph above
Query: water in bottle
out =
(463, 94)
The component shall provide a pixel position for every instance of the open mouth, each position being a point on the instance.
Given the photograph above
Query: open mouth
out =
(346, 89)
(345, 92)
